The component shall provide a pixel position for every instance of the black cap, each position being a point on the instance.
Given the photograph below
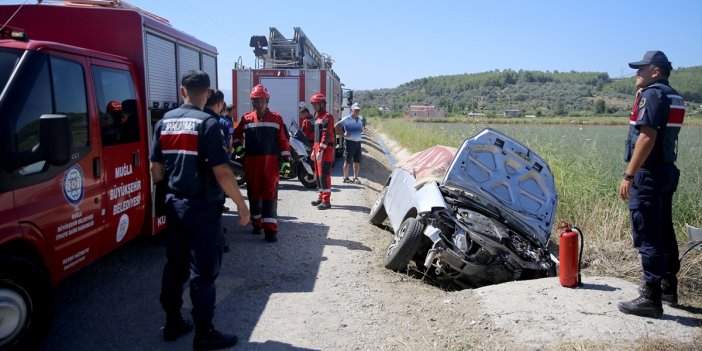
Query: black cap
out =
(656, 58)
(195, 79)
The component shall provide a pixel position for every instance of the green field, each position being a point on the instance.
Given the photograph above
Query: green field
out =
(587, 163)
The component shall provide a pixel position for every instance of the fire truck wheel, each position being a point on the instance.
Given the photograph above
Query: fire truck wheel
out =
(404, 245)
(26, 306)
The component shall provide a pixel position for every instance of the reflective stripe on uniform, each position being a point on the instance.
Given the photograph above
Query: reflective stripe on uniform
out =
(262, 124)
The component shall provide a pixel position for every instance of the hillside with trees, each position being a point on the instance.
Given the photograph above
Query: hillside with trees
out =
(531, 92)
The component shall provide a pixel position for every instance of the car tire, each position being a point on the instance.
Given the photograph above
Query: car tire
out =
(26, 305)
(377, 213)
(404, 245)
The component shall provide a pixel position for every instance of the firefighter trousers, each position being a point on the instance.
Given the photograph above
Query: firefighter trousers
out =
(262, 190)
(322, 169)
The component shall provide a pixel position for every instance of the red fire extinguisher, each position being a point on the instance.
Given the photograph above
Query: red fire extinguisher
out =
(570, 261)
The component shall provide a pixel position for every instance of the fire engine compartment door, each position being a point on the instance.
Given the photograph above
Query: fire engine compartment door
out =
(285, 92)
(124, 163)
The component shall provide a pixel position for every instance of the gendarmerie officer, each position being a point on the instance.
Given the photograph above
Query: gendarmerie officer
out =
(188, 152)
(650, 180)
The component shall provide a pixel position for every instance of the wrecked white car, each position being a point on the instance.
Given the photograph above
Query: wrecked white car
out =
(477, 215)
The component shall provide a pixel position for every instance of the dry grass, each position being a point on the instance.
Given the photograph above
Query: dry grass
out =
(644, 344)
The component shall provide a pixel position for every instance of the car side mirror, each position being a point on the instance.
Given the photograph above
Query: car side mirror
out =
(55, 139)
(54, 144)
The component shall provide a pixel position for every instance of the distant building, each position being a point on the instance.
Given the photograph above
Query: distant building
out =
(476, 114)
(424, 111)
(530, 116)
(511, 113)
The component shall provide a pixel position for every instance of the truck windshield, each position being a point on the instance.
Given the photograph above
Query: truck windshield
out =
(8, 60)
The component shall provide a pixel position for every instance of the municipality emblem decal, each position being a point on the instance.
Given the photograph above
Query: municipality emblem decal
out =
(642, 102)
(73, 185)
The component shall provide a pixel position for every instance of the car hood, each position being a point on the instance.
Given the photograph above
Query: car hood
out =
(510, 176)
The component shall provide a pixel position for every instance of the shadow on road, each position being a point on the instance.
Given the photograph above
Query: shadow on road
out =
(600, 287)
(114, 305)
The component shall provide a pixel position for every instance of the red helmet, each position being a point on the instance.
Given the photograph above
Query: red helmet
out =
(113, 106)
(260, 92)
(319, 97)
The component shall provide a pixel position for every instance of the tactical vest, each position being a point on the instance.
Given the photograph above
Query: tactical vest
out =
(665, 148)
(181, 134)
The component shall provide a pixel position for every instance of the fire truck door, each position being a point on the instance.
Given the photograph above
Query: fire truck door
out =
(124, 150)
(59, 204)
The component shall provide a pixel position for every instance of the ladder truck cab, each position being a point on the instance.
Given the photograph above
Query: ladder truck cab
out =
(292, 70)
(81, 85)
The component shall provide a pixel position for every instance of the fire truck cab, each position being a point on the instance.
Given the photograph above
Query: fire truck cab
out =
(80, 88)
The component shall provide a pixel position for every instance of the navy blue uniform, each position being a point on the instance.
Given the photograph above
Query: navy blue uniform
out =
(651, 195)
(188, 142)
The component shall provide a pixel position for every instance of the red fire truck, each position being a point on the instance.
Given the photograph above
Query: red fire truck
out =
(81, 86)
(292, 70)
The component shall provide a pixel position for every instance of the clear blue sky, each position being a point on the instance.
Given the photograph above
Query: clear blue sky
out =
(382, 43)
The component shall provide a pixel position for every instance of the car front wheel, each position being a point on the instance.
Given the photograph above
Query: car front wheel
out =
(377, 213)
(404, 245)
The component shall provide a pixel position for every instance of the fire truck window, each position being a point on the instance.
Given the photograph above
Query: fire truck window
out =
(70, 97)
(32, 99)
(118, 109)
(8, 61)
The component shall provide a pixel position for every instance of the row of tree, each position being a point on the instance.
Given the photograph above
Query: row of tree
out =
(532, 92)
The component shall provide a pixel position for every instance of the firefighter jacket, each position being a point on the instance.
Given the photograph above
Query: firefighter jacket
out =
(324, 135)
(662, 108)
(307, 126)
(264, 140)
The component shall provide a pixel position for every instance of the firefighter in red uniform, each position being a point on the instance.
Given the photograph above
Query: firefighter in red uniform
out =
(323, 150)
(262, 134)
(307, 124)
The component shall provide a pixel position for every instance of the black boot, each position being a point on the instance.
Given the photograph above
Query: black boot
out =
(271, 236)
(648, 304)
(212, 339)
(669, 291)
(176, 327)
(316, 202)
(256, 230)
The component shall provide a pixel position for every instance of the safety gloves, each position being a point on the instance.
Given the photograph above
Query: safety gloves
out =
(239, 151)
(285, 169)
(285, 166)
